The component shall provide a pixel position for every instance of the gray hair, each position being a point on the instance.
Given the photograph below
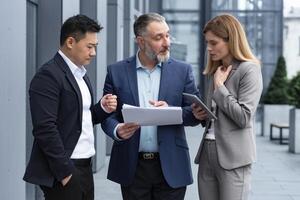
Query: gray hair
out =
(141, 23)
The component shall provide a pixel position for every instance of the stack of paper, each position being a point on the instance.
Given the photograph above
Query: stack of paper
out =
(152, 116)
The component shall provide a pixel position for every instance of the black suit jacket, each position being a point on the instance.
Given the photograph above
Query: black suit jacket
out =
(56, 111)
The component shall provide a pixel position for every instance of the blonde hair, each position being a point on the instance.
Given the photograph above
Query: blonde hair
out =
(231, 31)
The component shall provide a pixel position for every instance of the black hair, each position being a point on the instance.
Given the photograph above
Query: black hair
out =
(77, 26)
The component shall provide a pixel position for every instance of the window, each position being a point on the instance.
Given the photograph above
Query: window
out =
(299, 45)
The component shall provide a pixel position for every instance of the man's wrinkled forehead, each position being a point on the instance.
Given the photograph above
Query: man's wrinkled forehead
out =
(157, 28)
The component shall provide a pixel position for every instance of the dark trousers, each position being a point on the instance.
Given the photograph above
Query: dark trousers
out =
(79, 187)
(150, 184)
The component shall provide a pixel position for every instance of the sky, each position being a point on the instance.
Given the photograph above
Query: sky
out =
(287, 4)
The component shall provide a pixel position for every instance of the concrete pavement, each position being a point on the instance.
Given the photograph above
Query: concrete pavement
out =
(276, 174)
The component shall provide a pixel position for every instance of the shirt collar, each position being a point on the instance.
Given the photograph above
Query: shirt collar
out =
(78, 72)
(139, 64)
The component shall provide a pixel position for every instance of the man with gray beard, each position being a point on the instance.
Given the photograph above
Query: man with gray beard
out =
(150, 162)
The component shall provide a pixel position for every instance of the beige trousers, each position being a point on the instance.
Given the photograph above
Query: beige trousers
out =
(217, 183)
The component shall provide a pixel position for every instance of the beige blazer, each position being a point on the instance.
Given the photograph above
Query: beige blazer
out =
(236, 103)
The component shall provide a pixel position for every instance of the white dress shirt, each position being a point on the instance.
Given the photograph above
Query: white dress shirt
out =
(211, 131)
(85, 145)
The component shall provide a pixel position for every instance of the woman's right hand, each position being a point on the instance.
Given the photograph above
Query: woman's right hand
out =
(198, 112)
(221, 75)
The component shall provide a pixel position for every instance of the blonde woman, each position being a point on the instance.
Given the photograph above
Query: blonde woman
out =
(234, 81)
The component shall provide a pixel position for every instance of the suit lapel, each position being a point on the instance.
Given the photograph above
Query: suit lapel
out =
(235, 65)
(88, 83)
(70, 77)
(164, 80)
(75, 86)
(208, 100)
(132, 79)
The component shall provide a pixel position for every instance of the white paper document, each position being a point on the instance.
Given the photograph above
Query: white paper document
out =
(152, 116)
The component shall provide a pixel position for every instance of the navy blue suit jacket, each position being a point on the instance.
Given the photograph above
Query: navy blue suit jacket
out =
(56, 111)
(176, 78)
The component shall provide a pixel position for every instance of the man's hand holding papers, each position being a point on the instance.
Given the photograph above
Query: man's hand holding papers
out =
(152, 116)
(126, 130)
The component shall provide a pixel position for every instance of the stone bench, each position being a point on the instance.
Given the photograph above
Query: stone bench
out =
(281, 139)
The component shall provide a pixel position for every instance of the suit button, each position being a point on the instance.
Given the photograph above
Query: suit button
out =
(78, 131)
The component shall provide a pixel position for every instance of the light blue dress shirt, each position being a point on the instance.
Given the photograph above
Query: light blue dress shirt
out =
(148, 89)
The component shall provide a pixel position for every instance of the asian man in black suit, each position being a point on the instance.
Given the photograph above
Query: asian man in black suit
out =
(63, 115)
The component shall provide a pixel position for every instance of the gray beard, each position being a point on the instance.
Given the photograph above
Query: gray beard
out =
(163, 58)
(158, 58)
(151, 55)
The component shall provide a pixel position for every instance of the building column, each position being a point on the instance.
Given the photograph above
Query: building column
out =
(13, 99)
